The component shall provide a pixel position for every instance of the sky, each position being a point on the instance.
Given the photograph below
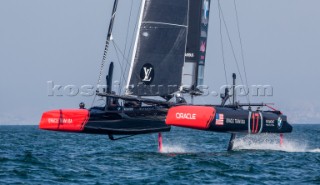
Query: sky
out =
(63, 41)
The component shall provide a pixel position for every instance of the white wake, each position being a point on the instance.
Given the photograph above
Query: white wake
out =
(173, 149)
(271, 142)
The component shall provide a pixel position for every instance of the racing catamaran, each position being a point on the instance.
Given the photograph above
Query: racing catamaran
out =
(168, 60)
(155, 72)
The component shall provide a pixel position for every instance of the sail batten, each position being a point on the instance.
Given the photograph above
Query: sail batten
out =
(164, 23)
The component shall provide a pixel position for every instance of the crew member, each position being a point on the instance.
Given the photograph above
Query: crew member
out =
(180, 99)
(113, 102)
(82, 105)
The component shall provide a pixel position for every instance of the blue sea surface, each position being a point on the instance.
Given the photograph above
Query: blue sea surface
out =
(32, 156)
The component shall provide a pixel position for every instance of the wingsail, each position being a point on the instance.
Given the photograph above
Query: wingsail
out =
(160, 46)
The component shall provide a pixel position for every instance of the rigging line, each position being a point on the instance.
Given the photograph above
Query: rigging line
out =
(124, 57)
(241, 45)
(132, 38)
(101, 69)
(232, 48)
(230, 42)
(126, 43)
(103, 60)
(222, 49)
(121, 52)
(116, 49)
(106, 48)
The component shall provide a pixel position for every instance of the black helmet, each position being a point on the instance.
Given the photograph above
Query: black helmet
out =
(82, 105)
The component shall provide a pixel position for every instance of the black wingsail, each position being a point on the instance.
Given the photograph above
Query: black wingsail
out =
(159, 53)
(197, 42)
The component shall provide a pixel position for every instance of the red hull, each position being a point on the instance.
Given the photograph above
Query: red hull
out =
(197, 117)
(64, 120)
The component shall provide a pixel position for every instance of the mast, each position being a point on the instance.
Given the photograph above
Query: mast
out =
(234, 77)
(109, 37)
(109, 78)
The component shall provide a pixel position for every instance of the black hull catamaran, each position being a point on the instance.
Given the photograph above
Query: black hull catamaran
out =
(229, 119)
(155, 72)
(233, 118)
(168, 60)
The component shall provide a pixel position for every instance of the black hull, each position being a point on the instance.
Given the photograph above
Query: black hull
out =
(130, 121)
(230, 120)
(115, 121)
(252, 122)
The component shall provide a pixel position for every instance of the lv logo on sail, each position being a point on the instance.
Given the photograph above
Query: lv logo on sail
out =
(147, 72)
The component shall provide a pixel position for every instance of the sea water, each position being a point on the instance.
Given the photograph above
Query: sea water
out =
(32, 156)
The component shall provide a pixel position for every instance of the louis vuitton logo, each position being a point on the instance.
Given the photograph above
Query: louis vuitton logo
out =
(147, 72)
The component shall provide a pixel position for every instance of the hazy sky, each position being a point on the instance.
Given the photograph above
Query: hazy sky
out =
(63, 41)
